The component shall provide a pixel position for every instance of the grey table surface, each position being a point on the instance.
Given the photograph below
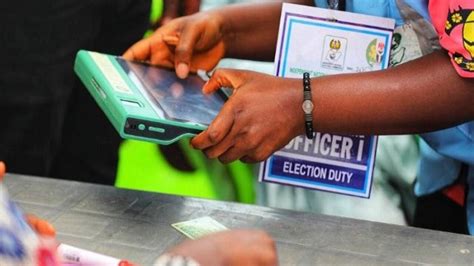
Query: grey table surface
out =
(136, 226)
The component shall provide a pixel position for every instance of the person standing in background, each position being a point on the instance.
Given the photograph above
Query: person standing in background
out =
(51, 126)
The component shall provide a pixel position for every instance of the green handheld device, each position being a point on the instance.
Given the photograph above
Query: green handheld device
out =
(145, 102)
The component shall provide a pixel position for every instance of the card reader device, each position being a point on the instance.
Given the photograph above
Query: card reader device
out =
(145, 102)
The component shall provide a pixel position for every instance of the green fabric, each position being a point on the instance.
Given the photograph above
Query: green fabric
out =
(156, 10)
(142, 166)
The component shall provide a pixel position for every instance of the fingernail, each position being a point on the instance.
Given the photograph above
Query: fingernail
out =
(46, 229)
(182, 70)
(2, 169)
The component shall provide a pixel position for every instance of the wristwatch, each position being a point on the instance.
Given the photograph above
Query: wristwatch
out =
(308, 106)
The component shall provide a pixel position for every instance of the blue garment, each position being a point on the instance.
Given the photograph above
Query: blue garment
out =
(442, 152)
(381, 8)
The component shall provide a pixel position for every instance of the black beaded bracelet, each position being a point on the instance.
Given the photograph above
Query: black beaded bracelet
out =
(308, 106)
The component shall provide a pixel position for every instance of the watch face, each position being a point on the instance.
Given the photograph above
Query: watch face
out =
(308, 106)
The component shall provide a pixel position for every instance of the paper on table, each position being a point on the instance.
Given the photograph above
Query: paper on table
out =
(199, 227)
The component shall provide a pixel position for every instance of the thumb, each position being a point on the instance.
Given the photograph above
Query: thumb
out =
(230, 78)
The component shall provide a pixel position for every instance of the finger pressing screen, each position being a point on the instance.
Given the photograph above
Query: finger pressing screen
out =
(185, 49)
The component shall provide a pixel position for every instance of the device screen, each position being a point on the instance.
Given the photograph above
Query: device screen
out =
(179, 99)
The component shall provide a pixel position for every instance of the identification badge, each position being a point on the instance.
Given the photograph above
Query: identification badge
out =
(326, 42)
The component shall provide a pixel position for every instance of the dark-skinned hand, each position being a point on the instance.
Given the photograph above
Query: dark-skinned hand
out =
(233, 247)
(187, 44)
(262, 115)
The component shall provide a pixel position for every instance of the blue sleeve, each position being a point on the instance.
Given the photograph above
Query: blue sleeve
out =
(380, 8)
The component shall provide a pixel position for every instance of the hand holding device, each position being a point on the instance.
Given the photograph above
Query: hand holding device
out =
(263, 114)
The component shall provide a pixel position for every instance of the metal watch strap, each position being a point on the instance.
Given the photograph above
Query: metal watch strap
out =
(308, 106)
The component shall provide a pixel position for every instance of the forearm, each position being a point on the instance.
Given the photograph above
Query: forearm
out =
(420, 96)
(171, 8)
(191, 7)
(251, 30)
